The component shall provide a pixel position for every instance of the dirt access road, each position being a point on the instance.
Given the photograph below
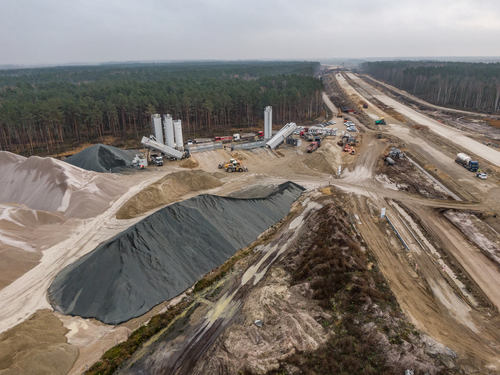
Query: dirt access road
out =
(458, 137)
(428, 277)
(428, 289)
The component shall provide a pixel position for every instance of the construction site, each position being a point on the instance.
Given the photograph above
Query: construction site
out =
(298, 249)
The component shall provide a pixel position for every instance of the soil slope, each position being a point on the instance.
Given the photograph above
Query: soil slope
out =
(164, 254)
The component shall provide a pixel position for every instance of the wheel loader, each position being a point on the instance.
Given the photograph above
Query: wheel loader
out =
(233, 165)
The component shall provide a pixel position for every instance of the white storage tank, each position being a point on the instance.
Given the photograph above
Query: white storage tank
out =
(158, 132)
(268, 122)
(179, 142)
(168, 124)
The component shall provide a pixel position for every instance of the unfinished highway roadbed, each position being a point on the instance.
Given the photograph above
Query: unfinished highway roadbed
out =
(164, 254)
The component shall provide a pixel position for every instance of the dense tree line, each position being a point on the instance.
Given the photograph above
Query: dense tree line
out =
(54, 108)
(472, 86)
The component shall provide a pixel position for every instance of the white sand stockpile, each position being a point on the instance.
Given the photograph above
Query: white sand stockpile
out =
(38, 196)
(49, 184)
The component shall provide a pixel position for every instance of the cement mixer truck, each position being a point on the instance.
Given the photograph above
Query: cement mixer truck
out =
(467, 162)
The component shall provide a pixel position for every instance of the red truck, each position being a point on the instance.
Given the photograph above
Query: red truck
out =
(223, 139)
(313, 146)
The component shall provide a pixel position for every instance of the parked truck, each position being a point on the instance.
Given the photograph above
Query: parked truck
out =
(466, 161)
(313, 146)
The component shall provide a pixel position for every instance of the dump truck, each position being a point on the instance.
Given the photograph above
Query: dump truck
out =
(233, 165)
(313, 146)
(156, 159)
(349, 149)
(380, 121)
(467, 162)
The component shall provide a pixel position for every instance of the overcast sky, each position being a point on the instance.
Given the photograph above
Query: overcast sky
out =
(68, 31)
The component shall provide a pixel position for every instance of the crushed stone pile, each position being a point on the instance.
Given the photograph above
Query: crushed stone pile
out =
(164, 254)
(49, 184)
(102, 158)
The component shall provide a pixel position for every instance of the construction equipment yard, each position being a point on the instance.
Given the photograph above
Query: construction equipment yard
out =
(395, 206)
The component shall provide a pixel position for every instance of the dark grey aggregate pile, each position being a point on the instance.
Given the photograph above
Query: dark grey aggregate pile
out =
(102, 158)
(164, 254)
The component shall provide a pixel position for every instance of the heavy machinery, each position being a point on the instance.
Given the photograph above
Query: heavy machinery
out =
(363, 104)
(281, 135)
(156, 159)
(349, 149)
(160, 147)
(467, 162)
(313, 146)
(140, 161)
(380, 121)
(233, 165)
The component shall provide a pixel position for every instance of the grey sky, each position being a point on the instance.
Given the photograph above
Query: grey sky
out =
(65, 31)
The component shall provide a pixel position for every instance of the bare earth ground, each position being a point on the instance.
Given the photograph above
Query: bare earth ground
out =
(444, 284)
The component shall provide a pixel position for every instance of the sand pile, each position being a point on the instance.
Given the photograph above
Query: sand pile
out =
(102, 158)
(324, 160)
(24, 233)
(52, 185)
(164, 254)
(36, 346)
(189, 163)
(167, 190)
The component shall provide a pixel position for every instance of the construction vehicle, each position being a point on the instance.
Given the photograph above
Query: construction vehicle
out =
(389, 161)
(313, 146)
(349, 149)
(156, 159)
(363, 104)
(233, 165)
(170, 152)
(281, 135)
(140, 161)
(467, 162)
(224, 139)
(380, 121)
(396, 153)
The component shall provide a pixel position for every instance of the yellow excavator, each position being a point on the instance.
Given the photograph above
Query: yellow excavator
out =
(233, 165)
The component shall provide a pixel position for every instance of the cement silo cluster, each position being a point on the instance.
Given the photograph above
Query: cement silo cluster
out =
(167, 137)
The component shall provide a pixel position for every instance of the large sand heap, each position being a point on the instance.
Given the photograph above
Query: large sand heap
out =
(167, 190)
(37, 346)
(102, 158)
(49, 184)
(164, 254)
(24, 233)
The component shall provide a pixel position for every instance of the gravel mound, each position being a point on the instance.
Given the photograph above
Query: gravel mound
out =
(164, 254)
(102, 158)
